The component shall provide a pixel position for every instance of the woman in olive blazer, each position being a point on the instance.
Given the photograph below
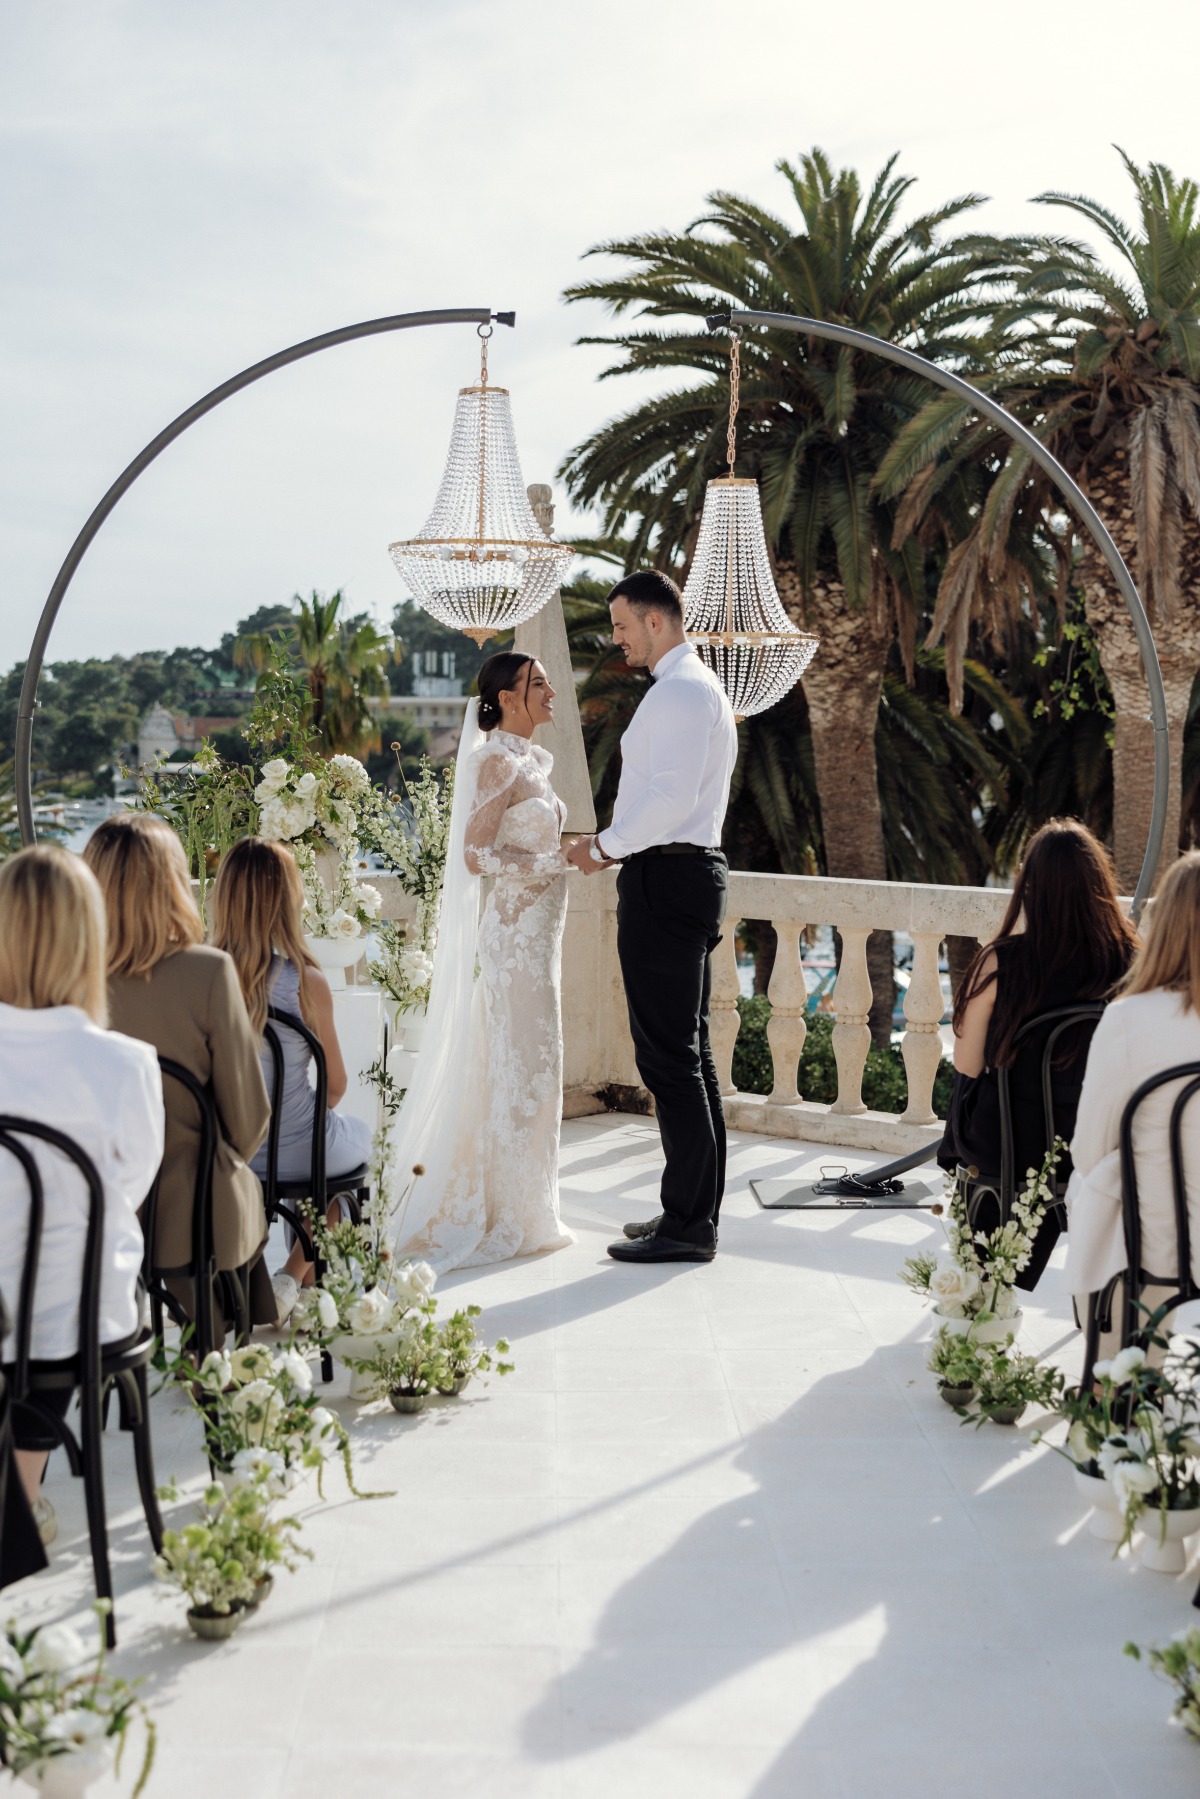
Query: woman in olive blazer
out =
(174, 991)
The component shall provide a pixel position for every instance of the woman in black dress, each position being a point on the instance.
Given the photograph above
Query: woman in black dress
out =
(1064, 941)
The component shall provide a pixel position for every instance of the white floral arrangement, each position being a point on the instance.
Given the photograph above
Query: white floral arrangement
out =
(412, 841)
(315, 805)
(974, 1276)
(402, 967)
(60, 1711)
(350, 908)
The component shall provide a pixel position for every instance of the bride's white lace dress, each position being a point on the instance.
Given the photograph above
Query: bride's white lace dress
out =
(499, 1186)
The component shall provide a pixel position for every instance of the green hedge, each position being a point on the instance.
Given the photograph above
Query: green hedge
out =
(884, 1088)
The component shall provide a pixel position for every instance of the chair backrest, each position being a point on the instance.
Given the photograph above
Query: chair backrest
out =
(1055, 1022)
(12, 1130)
(203, 1254)
(1186, 1288)
(277, 1020)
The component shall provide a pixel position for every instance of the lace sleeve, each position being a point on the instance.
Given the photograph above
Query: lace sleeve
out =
(497, 772)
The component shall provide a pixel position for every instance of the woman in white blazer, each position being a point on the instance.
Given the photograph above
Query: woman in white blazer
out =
(1154, 1025)
(60, 1066)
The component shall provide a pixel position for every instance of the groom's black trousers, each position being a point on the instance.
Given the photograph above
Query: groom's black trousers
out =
(668, 924)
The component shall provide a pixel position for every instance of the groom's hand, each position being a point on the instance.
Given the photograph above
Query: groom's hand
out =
(579, 855)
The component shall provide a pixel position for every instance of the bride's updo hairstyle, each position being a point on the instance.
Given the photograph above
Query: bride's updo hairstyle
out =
(498, 675)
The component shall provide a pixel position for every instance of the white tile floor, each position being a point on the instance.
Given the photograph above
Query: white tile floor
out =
(716, 1538)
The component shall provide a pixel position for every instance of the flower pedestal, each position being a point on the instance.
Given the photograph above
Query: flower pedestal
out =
(411, 1021)
(1162, 1547)
(1106, 1521)
(335, 955)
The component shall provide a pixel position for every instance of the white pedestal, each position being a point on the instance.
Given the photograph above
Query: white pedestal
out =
(358, 1017)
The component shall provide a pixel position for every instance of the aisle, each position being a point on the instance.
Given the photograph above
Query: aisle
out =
(717, 1538)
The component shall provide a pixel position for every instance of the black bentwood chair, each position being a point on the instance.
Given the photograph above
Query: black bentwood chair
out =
(207, 1281)
(286, 1198)
(1177, 1285)
(1001, 1187)
(94, 1369)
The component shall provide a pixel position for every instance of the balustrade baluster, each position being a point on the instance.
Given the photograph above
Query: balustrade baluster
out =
(852, 1007)
(786, 1028)
(725, 1021)
(922, 1045)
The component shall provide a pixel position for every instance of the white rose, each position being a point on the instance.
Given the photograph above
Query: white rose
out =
(306, 784)
(323, 1422)
(372, 1312)
(1077, 1443)
(1110, 1452)
(424, 1276)
(215, 1371)
(342, 924)
(951, 1285)
(1132, 1478)
(253, 1362)
(1125, 1363)
(415, 966)
(1102, 1370)
(77, 1728)
(260, 1398)
(297, 1371)
(248, 1462)
(327, 1310)
(272, 775)
(56, 1648)
(370, 899)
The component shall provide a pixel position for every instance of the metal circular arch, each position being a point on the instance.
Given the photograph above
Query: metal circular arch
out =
(400, 321)
(1071, 491)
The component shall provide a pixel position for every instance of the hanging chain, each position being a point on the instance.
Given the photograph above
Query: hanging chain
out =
(735, 375)
(484, 332)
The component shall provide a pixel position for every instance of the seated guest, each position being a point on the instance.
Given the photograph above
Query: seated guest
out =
(60, 1066)
(1063, 941)
(258, 917)
(168, 987)
(1152, 1025)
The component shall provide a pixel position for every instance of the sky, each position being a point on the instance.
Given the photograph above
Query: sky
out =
(187, 188)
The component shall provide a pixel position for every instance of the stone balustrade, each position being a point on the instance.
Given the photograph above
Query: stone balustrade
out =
(598, 1054)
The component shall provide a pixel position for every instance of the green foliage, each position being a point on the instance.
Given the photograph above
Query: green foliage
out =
(343, 662)
(885, 1085)
(1178, 1663)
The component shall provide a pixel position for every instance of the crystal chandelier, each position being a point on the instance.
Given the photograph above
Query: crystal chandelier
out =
(731, 608)
(481, 562)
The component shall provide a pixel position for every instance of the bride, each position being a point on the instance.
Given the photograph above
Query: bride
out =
(481, 1117)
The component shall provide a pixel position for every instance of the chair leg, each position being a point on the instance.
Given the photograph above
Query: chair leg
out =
(93, 1491)
(143, 1454)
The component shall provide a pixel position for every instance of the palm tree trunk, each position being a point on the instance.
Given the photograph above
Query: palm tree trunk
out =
(1178, 642)
(842, 686)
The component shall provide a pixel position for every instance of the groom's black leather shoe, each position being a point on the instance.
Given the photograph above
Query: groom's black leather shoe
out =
(656, 1248)
(647, 1228)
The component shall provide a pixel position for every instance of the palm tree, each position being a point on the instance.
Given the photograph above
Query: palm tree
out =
(1108, 375)
(344, 662)
(816, 422)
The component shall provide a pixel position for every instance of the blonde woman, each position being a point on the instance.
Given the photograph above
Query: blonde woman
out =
(1154, 1024)
(168, 987)
(258, 918)
(59, 1065)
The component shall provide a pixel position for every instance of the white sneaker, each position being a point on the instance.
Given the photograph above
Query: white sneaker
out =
(287, 1291)
(45, 1518)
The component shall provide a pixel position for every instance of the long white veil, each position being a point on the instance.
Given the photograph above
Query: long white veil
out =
(423, 1132)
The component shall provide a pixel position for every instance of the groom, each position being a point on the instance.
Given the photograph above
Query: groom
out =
(676, 761)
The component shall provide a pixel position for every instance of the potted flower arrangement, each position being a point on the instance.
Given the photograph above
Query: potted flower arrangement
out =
(409, 1366)
(462, 1353)
(1091, 1417)
(952, 1358)
(63, 1724)
(364, 1294)
(1008, 1381)
(1152, 1462)
(972, 1281)
(403, 968)
(258, 1402)
(412, 841)
(225, 1561)
(1178, 1662)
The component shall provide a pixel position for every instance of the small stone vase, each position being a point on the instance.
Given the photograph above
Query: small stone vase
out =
(1106, 1521)
(1162, 1546)
(455, 1387)
(262, 1592)
(1002, 1414)
(403, 1401)
(955, 1395)
(67, 1776)
(215, 1626)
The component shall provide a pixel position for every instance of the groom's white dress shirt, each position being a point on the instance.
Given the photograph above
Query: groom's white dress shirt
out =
(677, 759)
